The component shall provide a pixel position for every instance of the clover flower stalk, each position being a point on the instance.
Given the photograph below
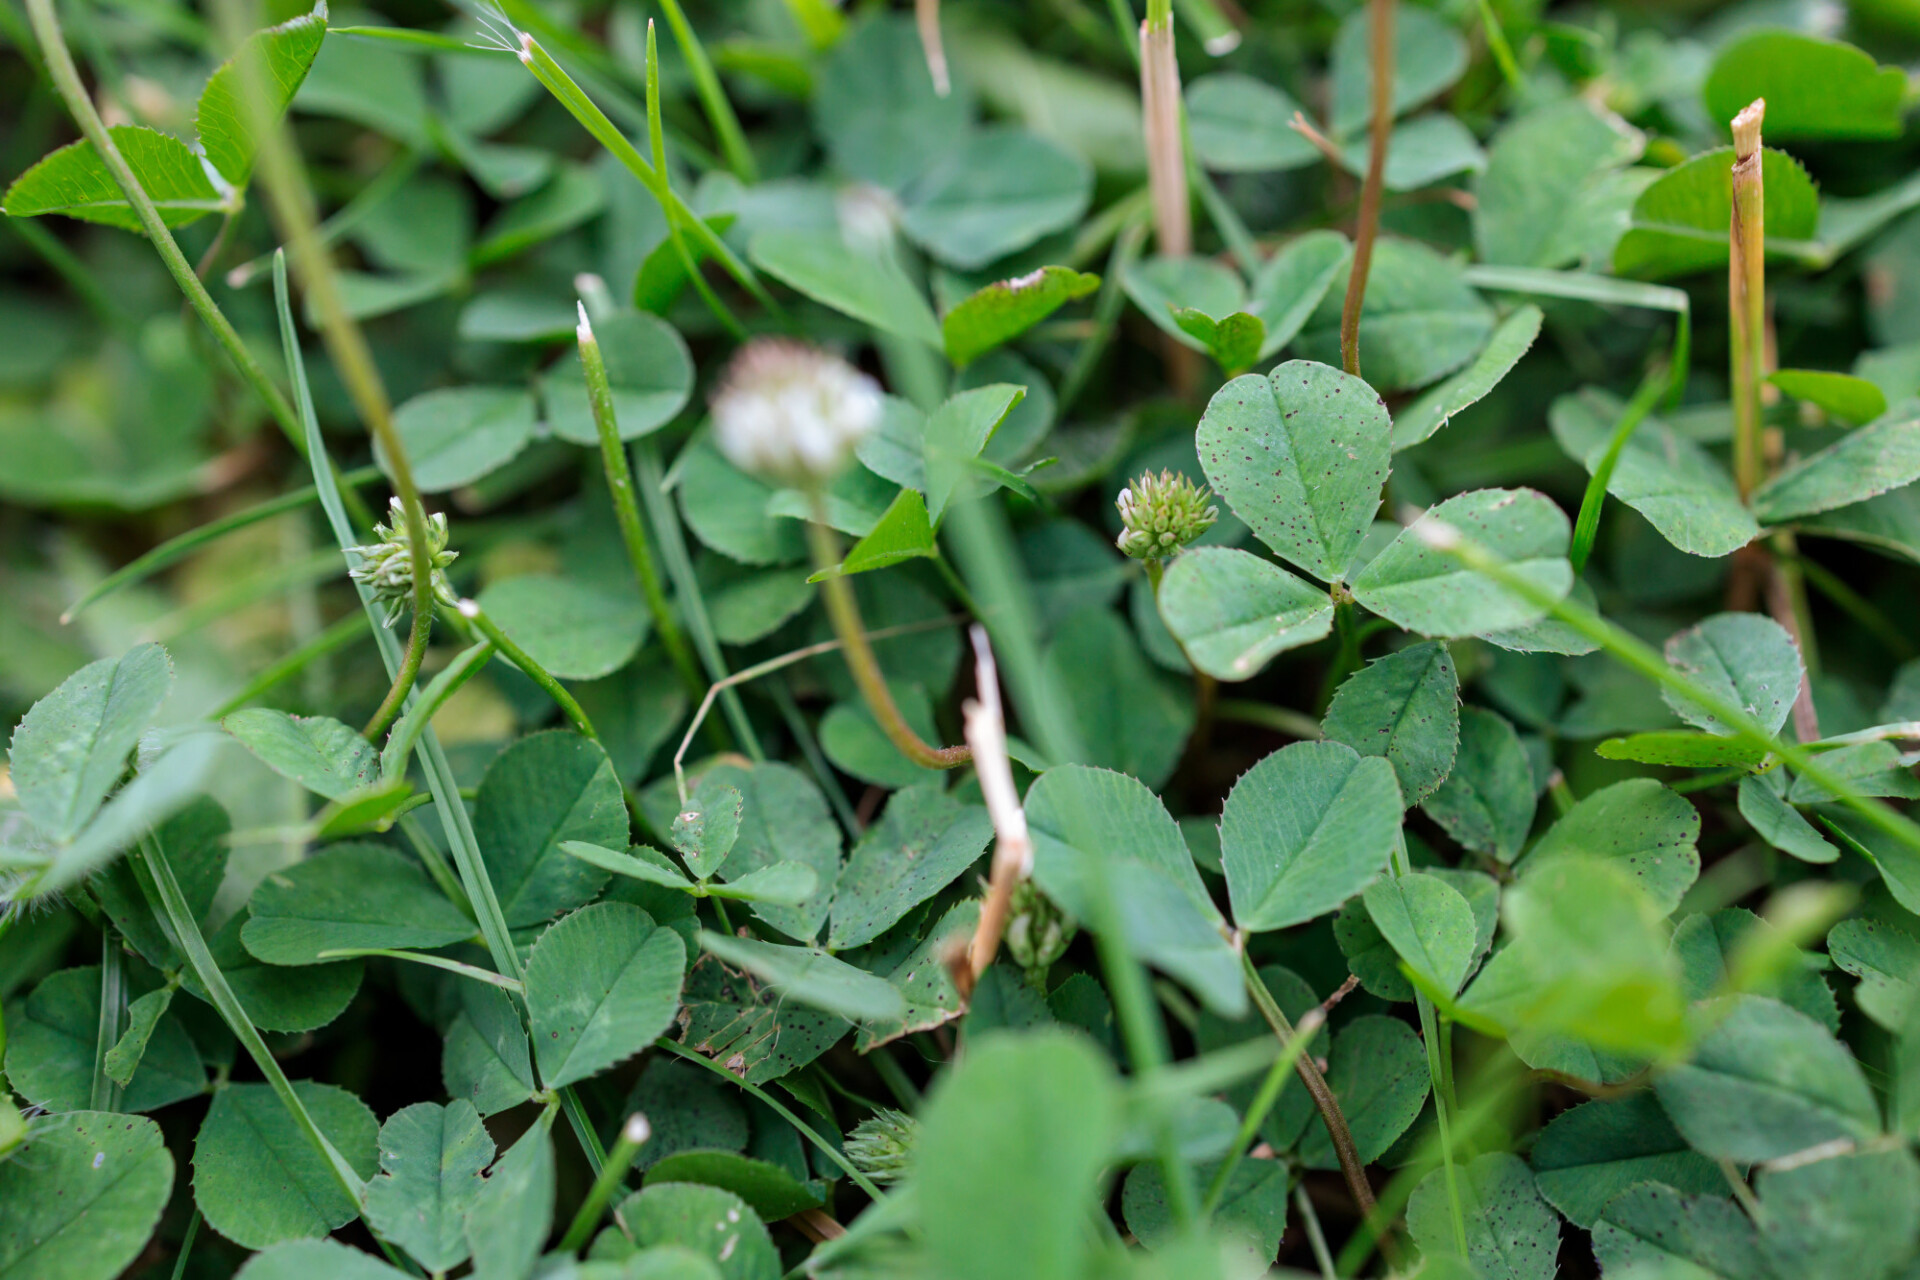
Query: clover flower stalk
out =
(793, 414)
(1161, 514)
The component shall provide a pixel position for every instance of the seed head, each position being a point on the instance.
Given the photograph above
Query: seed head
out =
(792, 413)
(386, 564)
(881, 1146)
(1162, 514)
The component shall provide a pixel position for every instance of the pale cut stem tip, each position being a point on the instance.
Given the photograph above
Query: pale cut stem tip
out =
(1746, 128)
(468, 608)
(585, 328)
(927, 17)
(637, 1130)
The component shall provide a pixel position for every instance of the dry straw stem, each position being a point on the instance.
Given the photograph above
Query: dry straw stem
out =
(986, 729)
(926, 15)
(1166, 150)
(1747, 295)
(1381, 31)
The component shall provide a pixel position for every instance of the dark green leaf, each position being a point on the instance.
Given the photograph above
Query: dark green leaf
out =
(602, 984)
(1487, 801)
(1814, 88)
(997, 192)
(1680, 223)
(1425, 589)
(1004, 310)
(1404, 707)
(1232, 611)
(1641, 825)
(1378, 1073)
(1591, 1153)
(1744, 658)
(1512, 1233)
(922, 843)
(80, 1197)
(576, 630)
(349, 896)
(768, 1189)
(1864, 464)
(431, 1158)
(257, 1178)
(538, 793)
(869, 286)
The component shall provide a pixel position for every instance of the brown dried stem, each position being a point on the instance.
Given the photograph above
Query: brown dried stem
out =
(1381, 30)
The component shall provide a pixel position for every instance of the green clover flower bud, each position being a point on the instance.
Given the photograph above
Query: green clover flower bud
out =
(1038, 931)
(1162, 514)
(386, 565)
(881, 1146)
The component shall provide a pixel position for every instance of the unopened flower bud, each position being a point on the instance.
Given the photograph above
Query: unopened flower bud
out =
(1038, 931)
(1162, 514)
(881, 1146)
(386, 564)
(792, 413)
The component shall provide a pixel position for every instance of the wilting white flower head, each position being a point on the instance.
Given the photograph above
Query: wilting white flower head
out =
(791, 412)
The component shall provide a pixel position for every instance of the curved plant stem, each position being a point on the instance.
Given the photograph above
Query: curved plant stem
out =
(472, 612)
(1323, 1100)
(827, 1149)
(393, 760)
(844, 611)
(442, 963)
(186, 1245)
(1587, 526)
(1316, 1238)
(613, 457)
(336, 636)
(1380, 18)
(416, 653)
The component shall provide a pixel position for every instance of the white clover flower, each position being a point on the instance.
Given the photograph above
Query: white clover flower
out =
(1161, 514)
(386, 564)
(792, 413)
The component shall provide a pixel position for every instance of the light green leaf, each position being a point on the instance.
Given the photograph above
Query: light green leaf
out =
(1428, 924)
(195, 840)
(1654, 1229)
(1680, 223)
(1420, 320)
(997, 192)
(1239, 125)
(1378, 1073)
(922, 843)
(856, 744)
(903, 533)
(875, 107)
(1404, 707)
(349, 896)
(1428, 56)
(143, 1016)
(1780, 824)
(1868, 769)
(1436, 407)
(708, 825)
(306, 1259)
(276, 61)
(1487, 801)
(1233, 341)
(1680, 488)
(870, 287)
(540, 792)
(277, 998)
(1591, 1153)
(1018, 1136)
(1814, 88)
(1252, 1212)
(576, 630)
(811, 977)
(485, 1060)
(1004, 310)
(1747, 659)
(71, 747)
(573, 195)
(1588, 961)
(1304, 830)
(1683, 748)
(1733, 950)
(75, 181)
(755, 605)
(162, 788)
(1641, 825)
(1113, 816)
(509, 1221)
(1289, 286)
(1856, 1214)
(1420, 152)
(456, 435)
(1300, 455)
(1232, 611)
(257, 1178)
(81, 1196)
(318, 752)
(1374, 961)
(648, 367)
(1882, 949)
(1161, 286)
(1512, 1233)
(1764, 1082)
(727, 509)
(1093, 653)
(431, 1158)
(956, 433)
(1427, 590)
(648, 865)
(784, 884)
(1865, 463)
(1541, 166)
(1840, 394)
(602, 984)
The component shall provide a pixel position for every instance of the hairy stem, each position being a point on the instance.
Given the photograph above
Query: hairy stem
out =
(1323, 1100)
(472, 612)
(844, 611)
(1380, 19)
(416, 652)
